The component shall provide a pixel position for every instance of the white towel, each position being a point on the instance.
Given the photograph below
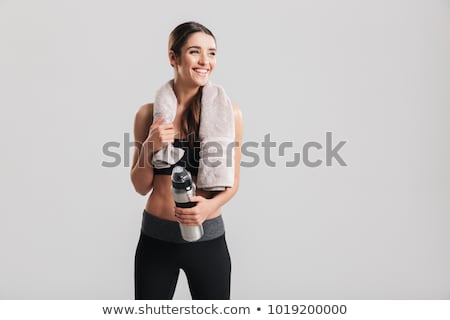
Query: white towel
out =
(216, 134)
(166, 105)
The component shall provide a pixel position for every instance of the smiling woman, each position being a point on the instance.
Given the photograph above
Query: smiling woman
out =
(188, 113)
(196, 60)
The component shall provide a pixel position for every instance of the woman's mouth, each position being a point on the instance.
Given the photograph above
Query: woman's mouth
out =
(201, 71)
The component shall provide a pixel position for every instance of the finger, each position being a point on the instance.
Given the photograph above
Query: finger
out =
(187, 216)
(166, 126)
(191, 223)
(192, 220)
(167, 133)
(178, 211)
(170, 131)
(167, 139)
(185, 212)
(196, 198)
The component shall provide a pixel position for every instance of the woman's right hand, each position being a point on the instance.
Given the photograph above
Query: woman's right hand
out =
(160, 135)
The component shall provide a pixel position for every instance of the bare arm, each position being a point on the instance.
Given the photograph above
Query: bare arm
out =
(142, 170)
(150, 135)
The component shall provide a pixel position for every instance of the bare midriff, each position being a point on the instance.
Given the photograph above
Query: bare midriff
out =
(160, 202)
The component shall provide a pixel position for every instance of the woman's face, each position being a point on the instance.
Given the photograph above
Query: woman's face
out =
(197, 59)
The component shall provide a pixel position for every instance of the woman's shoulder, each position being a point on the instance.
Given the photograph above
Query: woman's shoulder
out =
(145, 113)
(143, 121)
(145, 110)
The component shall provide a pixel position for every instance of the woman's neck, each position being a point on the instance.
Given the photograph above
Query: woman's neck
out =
(184, 93)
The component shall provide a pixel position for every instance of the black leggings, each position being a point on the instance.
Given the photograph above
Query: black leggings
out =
(206, 264)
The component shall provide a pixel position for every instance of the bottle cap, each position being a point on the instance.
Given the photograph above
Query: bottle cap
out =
(181, 178)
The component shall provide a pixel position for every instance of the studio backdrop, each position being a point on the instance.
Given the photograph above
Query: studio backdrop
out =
(345, 174)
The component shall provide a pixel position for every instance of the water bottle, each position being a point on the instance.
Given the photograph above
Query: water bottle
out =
(183, 188)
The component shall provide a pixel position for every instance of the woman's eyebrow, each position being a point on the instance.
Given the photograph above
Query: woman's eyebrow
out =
(198, 47)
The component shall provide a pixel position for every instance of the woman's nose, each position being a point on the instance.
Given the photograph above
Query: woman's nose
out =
(203, 59)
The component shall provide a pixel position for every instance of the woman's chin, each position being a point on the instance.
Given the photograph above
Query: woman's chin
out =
(196, 81)
(201, 82)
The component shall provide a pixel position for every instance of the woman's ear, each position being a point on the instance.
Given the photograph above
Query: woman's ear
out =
(172, 58)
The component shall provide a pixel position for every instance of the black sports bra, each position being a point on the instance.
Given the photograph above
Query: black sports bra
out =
(189, 160)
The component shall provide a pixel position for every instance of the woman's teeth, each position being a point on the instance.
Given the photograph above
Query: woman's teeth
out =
(203, 71)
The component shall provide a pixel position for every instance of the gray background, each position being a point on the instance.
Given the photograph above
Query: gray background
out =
(375, 73)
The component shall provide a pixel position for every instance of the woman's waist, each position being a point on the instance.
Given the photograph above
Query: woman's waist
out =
(161, 204)
(168, 230)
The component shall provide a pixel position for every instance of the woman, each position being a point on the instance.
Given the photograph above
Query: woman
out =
(160, 253)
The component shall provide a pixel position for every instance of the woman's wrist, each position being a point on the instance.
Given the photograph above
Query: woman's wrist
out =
(215, 204)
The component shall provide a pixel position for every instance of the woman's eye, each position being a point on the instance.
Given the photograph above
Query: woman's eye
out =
(194, 52)
(212, 53)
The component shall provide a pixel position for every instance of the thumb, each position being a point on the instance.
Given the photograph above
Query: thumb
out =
(158, 121)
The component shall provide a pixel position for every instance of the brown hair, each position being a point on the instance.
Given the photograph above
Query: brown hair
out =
(190, 119)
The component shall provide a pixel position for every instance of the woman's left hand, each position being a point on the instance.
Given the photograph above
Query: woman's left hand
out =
(196, 215)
